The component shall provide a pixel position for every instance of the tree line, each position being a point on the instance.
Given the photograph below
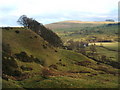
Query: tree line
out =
(41, 30)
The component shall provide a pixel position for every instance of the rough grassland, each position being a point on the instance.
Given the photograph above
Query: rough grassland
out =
(69, 72)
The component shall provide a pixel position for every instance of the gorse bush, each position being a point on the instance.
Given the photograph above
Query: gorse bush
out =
(10, 66)
(46, 72)
(26, 68)
(83, 63)
(39, 61)
(53, 66)
(17, 31)
(25, 58)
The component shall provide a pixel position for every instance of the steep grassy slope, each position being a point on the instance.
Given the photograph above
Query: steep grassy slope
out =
(31, 43)
(61, 68)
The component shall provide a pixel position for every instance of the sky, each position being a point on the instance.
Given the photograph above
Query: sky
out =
(50, 11)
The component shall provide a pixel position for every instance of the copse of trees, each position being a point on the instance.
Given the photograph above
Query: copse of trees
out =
(41, 30)
(78, 46)
(109, 20)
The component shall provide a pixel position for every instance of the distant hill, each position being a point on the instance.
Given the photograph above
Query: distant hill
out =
(79, 24)
(85, 30)
(95, 22)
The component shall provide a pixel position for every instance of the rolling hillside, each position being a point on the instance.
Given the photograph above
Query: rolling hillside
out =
(37, 64)
(78, 30)
(100, 33)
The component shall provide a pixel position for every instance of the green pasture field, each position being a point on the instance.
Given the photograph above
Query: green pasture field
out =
(109, 45)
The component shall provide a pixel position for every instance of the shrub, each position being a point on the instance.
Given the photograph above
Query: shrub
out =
(103, 57)
(9, 61)
(4, 77)
(26, 68)
(83, 63)
(60, 60)
(56, 51)
(59, 63)
(44, 46)
(39, 61)
(17, 31)
(35, 36)
(7, 28)
(53, 66)
(10, 66)
(17, 73)
(24, 57)
(31, 38)
(46, 72)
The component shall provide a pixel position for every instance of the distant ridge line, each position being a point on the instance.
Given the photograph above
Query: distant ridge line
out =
(73, 21)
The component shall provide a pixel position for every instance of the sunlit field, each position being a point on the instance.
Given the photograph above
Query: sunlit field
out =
(110, 45)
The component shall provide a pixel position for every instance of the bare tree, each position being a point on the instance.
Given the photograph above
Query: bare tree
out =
(23, 21)
(29, 23)
(93, 48)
